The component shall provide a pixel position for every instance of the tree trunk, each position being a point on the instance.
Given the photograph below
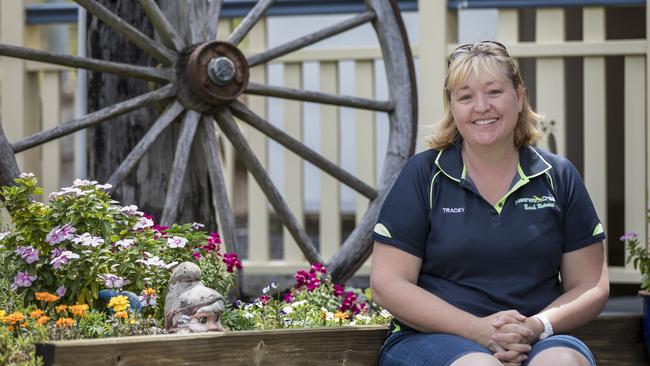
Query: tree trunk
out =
(110, 143)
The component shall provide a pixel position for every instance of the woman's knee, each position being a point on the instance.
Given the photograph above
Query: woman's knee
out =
(559, 356)
(477, 359)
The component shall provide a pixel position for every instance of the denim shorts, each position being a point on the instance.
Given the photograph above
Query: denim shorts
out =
(412, 348)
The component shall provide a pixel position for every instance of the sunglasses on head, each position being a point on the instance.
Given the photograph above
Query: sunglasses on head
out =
(466, 47)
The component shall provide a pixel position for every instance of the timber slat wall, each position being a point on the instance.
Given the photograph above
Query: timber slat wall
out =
(615, 340)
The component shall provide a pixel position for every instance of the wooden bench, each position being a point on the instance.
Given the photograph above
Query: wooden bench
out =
(616, 340)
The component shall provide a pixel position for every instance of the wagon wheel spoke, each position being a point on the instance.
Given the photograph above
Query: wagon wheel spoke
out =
(218, 183)
(138, 72)
(311, 38)
(249, 21)
(94, 118)
(183, 148)
(153, 48)
(212, 19)
(143, 145)
(230, 129)
(244, 113)
(319, 97)
(165, 30)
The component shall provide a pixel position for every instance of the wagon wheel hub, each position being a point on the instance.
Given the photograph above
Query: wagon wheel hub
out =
(216, 73)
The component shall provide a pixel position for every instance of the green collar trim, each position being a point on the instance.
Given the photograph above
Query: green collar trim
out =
(523, 180)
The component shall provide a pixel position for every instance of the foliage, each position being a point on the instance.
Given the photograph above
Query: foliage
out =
(315, 301)
(639, 256)
(82, 241)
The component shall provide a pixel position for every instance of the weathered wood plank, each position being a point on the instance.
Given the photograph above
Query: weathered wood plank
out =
(8, 167)
(165, 30)
(615, 340)
(155, 49)
(320, 346)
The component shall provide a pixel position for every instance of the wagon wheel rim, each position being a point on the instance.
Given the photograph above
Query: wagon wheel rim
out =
(205, 79)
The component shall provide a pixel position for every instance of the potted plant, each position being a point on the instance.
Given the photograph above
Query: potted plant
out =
(639, 256)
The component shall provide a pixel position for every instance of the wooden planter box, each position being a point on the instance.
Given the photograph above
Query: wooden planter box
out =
(615, 340)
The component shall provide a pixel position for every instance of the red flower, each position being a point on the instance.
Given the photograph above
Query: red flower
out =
(264, 299)
(349, 303)
(232, 261)
(288, 297)
(338, 290)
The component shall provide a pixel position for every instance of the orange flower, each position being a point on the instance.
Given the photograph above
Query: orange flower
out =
(340, 315)
(45, 296)
(24, 325)
(61, 308)
(121, 314)
(36, 314)
(42, 320)
(65, 322)
(10, 328)
(149, 292)
(14, 318)
(79, 310)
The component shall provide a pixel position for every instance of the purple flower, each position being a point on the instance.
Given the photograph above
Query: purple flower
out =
(131, 210)
(62, 258)
(113, 281)
(147, 300)
(28, 253)
(628, 237)
(143, 223)
(197, 226)
(23, 279)
(60, 292)
(60, 233)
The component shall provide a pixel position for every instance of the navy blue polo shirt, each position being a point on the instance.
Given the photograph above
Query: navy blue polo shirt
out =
(483, 258)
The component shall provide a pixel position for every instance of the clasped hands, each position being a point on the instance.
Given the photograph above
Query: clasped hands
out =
(508, 334)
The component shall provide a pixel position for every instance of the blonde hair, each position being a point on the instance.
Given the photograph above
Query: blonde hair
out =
(473, 59)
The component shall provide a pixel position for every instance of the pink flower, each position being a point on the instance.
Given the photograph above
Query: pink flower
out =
(28, 253)
(23, 279)
(338, 290)
(196, 255)
(264, 299)
(213, 243)
(312, 283)
(301, 278)
(143, 223)
(232, 261)
(288, 297)
(349, 303)
(60, 233)
(318, 268)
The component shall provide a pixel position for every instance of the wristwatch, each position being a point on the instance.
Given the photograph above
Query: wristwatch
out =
(548, 328)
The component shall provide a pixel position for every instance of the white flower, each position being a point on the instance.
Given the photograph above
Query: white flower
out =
(88, 240)
(287, 310)
(385, 313)
(248, 315)
(362, 318)
(106, 186)
(83, 182)
(143, 223)
(170, 265)
(298, 303)
(287, 321)
(27, 175)
(124, 243)
(131, 210)
(153, 261)
(4, 235)
(274, 285)
(197, 226)
(176, 242)
(248, 307)
(266, 289)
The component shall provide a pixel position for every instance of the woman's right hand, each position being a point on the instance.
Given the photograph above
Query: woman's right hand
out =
(505, 324)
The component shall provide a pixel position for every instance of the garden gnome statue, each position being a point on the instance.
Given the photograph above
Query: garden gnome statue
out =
(190, 307)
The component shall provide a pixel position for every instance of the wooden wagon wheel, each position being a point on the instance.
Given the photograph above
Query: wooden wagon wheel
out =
(204, 80)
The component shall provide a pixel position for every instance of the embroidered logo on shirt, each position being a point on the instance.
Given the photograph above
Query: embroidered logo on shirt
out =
(453, 210)
(536, 202)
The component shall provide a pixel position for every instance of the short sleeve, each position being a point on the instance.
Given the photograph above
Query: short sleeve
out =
(582, 227)
(403, 221)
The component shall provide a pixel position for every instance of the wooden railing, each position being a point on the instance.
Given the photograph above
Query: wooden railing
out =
(31, 100)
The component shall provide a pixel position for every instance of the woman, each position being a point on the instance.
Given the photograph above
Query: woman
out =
(477, 231)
